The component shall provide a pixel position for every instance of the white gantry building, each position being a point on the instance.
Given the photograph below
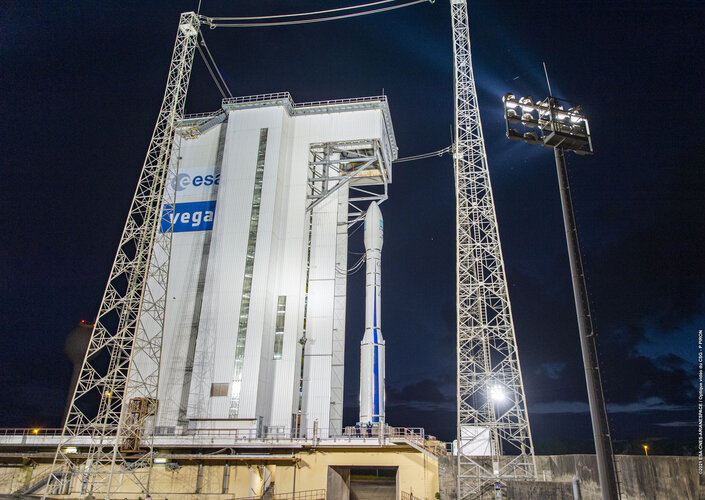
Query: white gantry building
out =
(254, 328)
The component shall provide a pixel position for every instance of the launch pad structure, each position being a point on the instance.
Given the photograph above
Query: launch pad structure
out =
(121, 370)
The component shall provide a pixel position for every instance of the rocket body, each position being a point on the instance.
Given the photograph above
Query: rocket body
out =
(372, 345)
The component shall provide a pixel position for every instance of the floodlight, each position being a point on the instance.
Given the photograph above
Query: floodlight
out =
(514, 135)
(557, 128)
(531, 138)
(497, 393)
(569, 131)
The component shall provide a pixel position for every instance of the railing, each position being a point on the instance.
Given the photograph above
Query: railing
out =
(278, 96)
(413, 434)
(272, 96)
(299, 495)
(361, 435)
(336, 102)
(409, 496)
(36, 431)
(201, 116)
(278, 434)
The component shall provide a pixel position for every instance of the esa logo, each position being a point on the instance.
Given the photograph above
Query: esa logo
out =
(184, 217)
(186, 181)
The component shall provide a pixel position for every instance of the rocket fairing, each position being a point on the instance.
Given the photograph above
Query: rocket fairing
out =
(372, 345)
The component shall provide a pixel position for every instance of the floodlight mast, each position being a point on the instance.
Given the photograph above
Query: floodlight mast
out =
(128, 330)
(494, 438)
(569, 130)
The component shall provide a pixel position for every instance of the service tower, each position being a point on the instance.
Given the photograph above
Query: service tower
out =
(372, 346)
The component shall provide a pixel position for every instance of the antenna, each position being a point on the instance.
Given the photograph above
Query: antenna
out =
(545, 71)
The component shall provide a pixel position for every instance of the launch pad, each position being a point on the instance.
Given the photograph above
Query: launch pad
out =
(240, 465)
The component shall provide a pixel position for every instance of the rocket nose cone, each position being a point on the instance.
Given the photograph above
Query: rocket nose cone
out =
(374, 227)
(373, 212)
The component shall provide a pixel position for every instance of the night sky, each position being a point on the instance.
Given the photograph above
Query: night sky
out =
(80, 87)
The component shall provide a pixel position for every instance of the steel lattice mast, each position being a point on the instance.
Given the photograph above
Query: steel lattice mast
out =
(120, 372)
(494, 438)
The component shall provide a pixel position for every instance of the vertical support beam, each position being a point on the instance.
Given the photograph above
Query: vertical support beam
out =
(123, 356)
(226, 477)
(339, 305)
(199, 478)
(494, 438)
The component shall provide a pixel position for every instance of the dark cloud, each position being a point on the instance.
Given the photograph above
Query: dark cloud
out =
(426, 390)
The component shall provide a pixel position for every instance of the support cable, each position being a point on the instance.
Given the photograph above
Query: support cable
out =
(440, 152)
(214, 22)
(301, 14)
(356, 267)
(215, 66)
(208, 66)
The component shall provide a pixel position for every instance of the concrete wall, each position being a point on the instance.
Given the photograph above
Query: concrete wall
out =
(641, 477)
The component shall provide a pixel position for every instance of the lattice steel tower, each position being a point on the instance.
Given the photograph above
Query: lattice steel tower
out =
(120, 372)
(494, 438)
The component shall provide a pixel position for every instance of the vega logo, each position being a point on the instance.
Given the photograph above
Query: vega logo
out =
(194, 216)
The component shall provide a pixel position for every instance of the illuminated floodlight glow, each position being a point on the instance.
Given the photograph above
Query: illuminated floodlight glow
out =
(497, 393)
(557, 126)
(70, 449)
(160, 460)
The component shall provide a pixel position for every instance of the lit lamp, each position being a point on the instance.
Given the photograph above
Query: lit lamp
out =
(497, 393)
(646, 450)
(547, 123)
(554, 123)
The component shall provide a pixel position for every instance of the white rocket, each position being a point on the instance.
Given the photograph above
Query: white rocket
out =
(372, 346)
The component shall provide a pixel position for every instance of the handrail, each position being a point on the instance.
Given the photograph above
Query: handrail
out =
(298, 495)
(30, 431)
(301, 495)
(413, 435)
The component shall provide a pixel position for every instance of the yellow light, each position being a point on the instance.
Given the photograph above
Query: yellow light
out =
(70, 449)
(646, 450)
(35, 431)
(107, 394)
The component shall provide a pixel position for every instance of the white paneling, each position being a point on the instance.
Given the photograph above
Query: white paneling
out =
(215, 349)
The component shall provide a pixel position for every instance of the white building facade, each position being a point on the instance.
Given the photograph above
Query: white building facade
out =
(254, 332)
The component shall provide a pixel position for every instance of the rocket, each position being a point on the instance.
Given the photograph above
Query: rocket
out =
(372, 345)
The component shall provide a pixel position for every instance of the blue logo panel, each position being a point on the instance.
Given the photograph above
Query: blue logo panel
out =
(193, 216)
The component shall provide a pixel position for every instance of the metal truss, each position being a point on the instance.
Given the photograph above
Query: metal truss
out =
(359, 165)
(358, 172)
(120, 372)
(494, 438)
